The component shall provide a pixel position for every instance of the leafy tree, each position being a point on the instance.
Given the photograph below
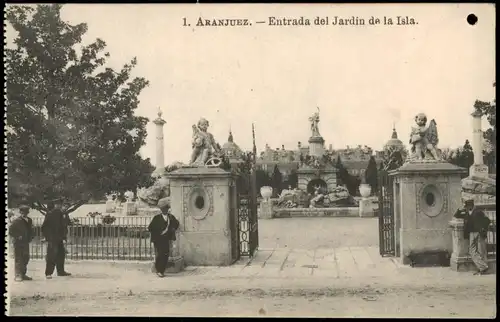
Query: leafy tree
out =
(262, 178)
(371, 174)
(393, 159)
(277, 180)
(72, 132)
(293, 179)
(463, 156)
(467, 155)
(345, 178)
(489, 110)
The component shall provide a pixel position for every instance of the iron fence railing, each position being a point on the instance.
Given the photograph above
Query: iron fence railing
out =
(491, 240)
(101, 238)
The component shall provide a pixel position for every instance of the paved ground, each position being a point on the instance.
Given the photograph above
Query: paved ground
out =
(305, 267)
(311, 233)
(379, 288)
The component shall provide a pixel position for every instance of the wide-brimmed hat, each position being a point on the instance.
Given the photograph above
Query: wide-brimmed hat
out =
(24, 207)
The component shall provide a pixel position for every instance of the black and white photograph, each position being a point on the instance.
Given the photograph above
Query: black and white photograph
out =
(250, 160)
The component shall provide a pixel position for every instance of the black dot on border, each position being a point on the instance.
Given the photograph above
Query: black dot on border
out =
(472, 19)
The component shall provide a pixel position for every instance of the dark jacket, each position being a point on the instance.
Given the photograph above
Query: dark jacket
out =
(158, 224)
(476, 222)
(21, 230)
(55, 226)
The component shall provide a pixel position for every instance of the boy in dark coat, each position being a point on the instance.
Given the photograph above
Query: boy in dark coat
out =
(476, 225)
(162, 229)
(21, 233)
(55, 230)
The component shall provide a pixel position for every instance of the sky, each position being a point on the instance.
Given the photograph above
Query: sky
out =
(364, 79)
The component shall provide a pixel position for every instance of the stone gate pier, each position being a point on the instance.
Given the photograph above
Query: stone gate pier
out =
(204, 200)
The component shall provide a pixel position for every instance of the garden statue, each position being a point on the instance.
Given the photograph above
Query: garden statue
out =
(424, 139)
(314, 119)
(204, 146)
(318, 197)
(152, 195)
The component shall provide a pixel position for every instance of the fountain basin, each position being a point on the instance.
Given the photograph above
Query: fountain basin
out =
(316, 212)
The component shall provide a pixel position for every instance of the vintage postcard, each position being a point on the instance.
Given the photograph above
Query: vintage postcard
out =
(272, 160)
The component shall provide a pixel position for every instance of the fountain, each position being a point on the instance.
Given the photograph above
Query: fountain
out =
(318, 192)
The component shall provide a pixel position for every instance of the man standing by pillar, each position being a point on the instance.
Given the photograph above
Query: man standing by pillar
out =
(476, 225)
(55, 230)
(162, 229)
(21, 233)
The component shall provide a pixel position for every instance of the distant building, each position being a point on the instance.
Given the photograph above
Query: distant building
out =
(232, 151)
(354, 159)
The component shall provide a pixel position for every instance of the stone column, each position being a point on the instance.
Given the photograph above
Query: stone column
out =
(478, 169)
(160, 148)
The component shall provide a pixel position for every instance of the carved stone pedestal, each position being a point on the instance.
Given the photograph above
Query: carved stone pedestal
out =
(130, 208)
(460, 259)
(110, 206)
(426, 195)
(316, 146)
(204, 202)
(365, 208)
(266, 209)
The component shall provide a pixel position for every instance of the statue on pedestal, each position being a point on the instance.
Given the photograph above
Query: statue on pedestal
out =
(204, 145)
(314, 119)
(424, 139)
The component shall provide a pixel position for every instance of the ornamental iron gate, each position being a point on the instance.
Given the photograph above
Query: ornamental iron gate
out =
(247, 214)
(387, 241)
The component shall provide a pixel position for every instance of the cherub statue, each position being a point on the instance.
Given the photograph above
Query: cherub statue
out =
(424, 138)
(204, 144)
(314, 119)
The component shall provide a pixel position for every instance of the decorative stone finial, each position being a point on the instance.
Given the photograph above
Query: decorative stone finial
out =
(394, 133)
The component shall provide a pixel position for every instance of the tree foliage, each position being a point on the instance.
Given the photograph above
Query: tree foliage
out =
(293, 179)
(277, 181)
(371, 174)
(345, 178)
(462, 157)
(72, 132)
(262, 178)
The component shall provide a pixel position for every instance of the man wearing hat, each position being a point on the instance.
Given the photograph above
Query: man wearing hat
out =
(55, 230)
(21, 233)
(162, 229)
(476, 225)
